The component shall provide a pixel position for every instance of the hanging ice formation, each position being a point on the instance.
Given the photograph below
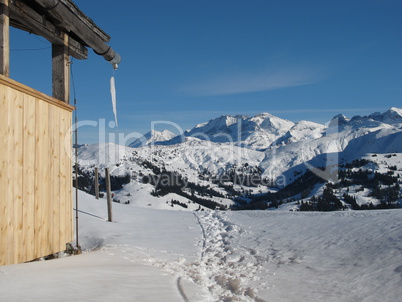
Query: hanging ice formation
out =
(113, 93)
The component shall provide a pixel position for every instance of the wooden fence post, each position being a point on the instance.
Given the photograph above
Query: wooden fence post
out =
(96, 183)
(109, 197)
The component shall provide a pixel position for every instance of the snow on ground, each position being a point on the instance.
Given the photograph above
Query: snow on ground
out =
(158, 255)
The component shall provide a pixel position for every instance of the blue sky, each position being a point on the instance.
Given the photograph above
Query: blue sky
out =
(190, 61)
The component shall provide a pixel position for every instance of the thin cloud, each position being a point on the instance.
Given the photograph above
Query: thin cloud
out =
(263, 81)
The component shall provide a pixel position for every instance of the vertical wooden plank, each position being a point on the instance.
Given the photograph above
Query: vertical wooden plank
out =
(37, 176)
(62, 183)
(10, 176)
(49, 202)
(17, 165)
(47, 182)
(29, 176)
(63, 178)
(4, 38)
(55, 130)
(42, 180)
(66, 203)
(61, 71)
(3, 176)
(69, 162)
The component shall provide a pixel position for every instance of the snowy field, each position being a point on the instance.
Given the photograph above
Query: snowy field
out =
(159, 255)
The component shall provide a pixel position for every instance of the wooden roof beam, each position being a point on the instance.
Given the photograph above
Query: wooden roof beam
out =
(73, 20)
(24, 17)
(86, 20)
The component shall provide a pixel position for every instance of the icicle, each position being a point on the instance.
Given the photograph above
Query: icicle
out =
(113, 93)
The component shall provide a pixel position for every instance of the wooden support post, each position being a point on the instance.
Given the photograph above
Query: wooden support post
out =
(109, 197)
(96, 183)
(61, 71)
(4, 38)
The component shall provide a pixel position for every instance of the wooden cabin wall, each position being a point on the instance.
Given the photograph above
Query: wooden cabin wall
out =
(35, 174)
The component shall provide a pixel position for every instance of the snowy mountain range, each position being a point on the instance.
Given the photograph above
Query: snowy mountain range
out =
(261, 131)
(257, 132)
(235, 158)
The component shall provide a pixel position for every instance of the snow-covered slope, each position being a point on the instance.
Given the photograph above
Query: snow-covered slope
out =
(101, 155)
(344, 139)
(247, 256)
(303, 130)
(152, 137)
(195, 160)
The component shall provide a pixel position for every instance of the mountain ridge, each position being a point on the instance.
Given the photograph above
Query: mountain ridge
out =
(259, 132)
(152, 137)
(232, 169)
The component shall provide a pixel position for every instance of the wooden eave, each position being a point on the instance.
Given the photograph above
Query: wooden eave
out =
(26, 18)
(86, 20)
(65, 26)
(52, 18)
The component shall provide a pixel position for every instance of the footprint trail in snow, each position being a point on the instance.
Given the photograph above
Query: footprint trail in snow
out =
(224, 267)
